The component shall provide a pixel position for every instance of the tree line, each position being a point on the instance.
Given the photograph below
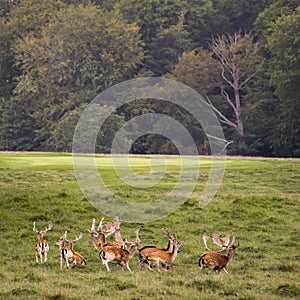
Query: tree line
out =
(242, 56)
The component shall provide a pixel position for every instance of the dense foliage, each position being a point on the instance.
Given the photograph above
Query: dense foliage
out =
(57, 55)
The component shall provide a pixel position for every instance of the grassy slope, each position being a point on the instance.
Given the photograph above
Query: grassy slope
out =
(258, 200)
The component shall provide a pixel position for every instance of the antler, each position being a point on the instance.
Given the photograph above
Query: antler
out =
(137, 239)
(216, 239)
(110, 228)
(165, 231)
(71, 243)
(233, 239)
(50, 225)
(178, 243)
(93, 228)
(77, 239)
(205, 239)
(168, 234)
(118, 230)
(226, 241)
(34, 228)
(100, 225)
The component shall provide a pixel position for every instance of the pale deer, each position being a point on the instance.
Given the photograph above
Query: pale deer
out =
(119, 255)
(67, 253)
(42, 246)
(145, 251)
(163, 257)
(215, 260)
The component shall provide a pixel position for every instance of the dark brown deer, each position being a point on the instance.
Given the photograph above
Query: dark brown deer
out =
(42, 246)
(215, 260)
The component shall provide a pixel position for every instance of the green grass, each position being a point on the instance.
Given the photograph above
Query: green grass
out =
(258, 200)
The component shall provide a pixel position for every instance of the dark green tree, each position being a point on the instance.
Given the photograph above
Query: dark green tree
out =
(167, 47)
(278, 27)
(80, 52)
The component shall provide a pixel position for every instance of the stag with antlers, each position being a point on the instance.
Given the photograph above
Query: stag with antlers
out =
(119, 255)
(145, 251)
(215, 260)
(42, 246)
(98, 237)
(163, 257)
(67, 253)
(112, 251)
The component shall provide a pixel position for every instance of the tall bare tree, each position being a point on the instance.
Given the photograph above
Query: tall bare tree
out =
(239, 61)
(222, 74)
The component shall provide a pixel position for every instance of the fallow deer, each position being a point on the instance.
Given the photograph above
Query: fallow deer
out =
(215, 260)
(98, 237)
(119, 255)
(145, 251)
(163, 257)
(42, 246)
(67, 253)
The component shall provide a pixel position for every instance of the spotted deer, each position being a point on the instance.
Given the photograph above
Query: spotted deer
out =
(215, 260)
(98, 237)
(119, 255)
(145, 251)
(42, 246)
(161, 256)
(67, 253)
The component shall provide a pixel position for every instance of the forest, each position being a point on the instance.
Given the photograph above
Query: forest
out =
(242, 56)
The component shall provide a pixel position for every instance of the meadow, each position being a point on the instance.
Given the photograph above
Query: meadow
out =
(258, 200)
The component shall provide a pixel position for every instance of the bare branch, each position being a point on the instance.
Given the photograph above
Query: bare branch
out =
(226, 143)
(226, 96)
(223, 119)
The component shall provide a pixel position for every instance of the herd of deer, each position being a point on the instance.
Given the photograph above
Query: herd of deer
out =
(116, 252)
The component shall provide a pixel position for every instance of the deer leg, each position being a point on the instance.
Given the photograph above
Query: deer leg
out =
(141, 264)
(157, 266)
(127, 266)
(225, 271)
(67, 262)
(106, 265)
(149, 266)
(61, 262)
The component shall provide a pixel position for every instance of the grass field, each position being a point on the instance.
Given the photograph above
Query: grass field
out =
(258, 200)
